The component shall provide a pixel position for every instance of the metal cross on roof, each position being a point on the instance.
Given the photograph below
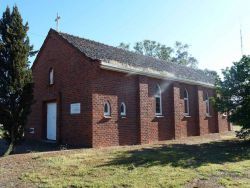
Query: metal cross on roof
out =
(57, 21)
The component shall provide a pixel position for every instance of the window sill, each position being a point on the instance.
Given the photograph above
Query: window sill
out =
(186, 115)
(74, 114)
(159, 116)
(107, 117)
(123, 117)
(31, 130)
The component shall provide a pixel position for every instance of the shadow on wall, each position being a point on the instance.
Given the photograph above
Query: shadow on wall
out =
(103, 120)
(185, 156)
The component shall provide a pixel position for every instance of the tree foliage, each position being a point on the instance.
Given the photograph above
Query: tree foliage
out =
(124, 46)
(210, 73)
(178, 54)
(234, 94)
(182, 55)
(16, 85)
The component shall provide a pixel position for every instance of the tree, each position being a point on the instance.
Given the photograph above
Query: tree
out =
(179, 54)
(165, 53)
(210, 73)
(147, 47)
(233, 94)
(16, 87)
(124, 46)
(182, 56)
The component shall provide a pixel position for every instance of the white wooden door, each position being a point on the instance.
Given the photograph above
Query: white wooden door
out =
(51, 121)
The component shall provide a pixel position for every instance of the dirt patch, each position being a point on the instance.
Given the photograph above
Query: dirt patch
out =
(200, 183)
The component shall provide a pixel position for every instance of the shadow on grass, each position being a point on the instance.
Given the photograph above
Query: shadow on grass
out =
(185, 156)
(29, 146)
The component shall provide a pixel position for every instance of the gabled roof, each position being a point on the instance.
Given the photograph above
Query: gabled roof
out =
(103, 52)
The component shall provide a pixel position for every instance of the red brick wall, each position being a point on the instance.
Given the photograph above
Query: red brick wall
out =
(72, 73)
(143, 105)
(223, 124)
(115, 88)
(138, 94)
(189, 124)
(160, 128)
(208, 124)
(185, 125)
(78, 79)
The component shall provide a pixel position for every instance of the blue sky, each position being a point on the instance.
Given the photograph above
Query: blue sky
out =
(211, 27)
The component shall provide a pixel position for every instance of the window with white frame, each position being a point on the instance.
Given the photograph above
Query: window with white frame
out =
(123, 109)
(51, 76)
(186, 102)
(207, 105)
(158, 101)
(107, 110)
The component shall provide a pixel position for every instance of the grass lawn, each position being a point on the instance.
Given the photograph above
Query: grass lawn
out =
(189, 163)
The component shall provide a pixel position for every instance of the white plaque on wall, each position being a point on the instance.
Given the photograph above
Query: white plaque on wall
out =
(75, 108)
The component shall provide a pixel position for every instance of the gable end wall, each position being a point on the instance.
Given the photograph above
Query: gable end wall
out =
(72, 84)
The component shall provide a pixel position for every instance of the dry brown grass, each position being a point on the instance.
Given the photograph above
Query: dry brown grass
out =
(210, 161)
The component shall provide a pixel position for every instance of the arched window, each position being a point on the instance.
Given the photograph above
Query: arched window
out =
(107, 110)
(123, 109)
(158, 103)
(207, 105)
(51, 76)
(186, 102)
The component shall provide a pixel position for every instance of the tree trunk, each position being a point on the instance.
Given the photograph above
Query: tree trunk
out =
(12, 143)
(9, 150)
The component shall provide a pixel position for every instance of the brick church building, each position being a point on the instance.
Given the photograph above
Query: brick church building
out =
(94, 95)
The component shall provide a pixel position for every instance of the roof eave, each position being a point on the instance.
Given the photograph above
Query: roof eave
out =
(156, 74)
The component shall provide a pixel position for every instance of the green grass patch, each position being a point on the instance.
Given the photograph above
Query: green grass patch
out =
(225, 163)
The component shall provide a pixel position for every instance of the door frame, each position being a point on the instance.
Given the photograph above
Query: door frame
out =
(44, 114)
